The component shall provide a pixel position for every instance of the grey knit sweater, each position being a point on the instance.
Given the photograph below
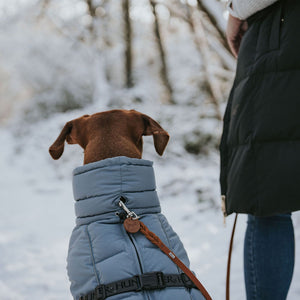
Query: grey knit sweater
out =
(243, 9)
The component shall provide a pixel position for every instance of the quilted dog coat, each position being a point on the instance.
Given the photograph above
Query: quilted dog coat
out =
(100, 250)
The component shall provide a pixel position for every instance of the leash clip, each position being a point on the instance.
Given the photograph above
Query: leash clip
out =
(130, 214)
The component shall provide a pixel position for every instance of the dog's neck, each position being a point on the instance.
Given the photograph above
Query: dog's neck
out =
(98, 187)
(97, 150)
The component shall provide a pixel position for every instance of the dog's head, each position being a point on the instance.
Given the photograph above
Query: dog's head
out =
(109, 134)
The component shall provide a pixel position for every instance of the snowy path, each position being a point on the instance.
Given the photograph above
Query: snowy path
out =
(36, 219)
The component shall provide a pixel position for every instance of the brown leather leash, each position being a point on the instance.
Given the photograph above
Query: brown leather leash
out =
(134, 225)
(229, 259)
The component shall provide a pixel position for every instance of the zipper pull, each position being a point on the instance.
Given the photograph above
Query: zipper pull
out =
(223, 207)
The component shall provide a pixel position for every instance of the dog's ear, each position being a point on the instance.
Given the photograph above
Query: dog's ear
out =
(160, 136)
(57, 148)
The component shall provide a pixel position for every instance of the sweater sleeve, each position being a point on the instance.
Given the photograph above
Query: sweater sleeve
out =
(243, 9)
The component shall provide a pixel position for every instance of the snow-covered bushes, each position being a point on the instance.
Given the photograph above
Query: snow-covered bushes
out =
(57, 71)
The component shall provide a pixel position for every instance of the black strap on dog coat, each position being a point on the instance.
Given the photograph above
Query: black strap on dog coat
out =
(138, 283)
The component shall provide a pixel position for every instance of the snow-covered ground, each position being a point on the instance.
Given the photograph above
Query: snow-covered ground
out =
(37, 215)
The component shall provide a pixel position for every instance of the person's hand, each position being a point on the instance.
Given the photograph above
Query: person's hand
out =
(236, 29)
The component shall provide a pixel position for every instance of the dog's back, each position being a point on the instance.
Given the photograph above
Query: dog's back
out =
(101, 251)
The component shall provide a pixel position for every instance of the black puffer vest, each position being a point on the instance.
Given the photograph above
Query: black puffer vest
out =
(260, 146)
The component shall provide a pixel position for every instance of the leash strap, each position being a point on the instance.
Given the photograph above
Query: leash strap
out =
(229, 259)
(157, 241)
(144, 282)
(132, 224)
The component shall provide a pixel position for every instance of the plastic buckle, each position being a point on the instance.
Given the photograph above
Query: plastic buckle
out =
(99, 292)
(188, 283)
(152, 281)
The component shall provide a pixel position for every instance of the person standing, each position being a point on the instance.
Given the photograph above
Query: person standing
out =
(260, 144)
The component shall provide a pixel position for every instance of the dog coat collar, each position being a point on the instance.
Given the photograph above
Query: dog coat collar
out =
(98, 186)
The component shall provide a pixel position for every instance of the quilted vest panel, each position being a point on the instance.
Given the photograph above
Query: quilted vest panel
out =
(260, 146)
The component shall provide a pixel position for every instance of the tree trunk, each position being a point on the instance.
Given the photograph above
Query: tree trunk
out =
(92, 13)
(203, 48)
(164, 68)
(128, 43)
(203, 7)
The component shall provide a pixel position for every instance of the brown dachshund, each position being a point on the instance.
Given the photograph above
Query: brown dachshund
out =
(109, 134)
(99, 231)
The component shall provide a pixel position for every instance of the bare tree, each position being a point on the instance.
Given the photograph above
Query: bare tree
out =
(207, 33)
(128, 42)
(164, 68)
(202, 5)
(91, 8)
(92, 13)
(202, 46)
(216, 36)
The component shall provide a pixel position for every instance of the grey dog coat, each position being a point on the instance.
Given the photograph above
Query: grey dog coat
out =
(100, 250)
